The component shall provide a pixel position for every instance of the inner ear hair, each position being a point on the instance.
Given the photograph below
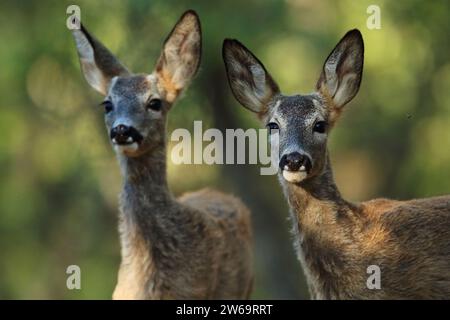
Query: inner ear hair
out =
(249, 80)
(342, 71)
(181, 54)
(98, 64)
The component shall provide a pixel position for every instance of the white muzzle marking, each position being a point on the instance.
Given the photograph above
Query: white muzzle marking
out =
(294, 176)
(125, 148)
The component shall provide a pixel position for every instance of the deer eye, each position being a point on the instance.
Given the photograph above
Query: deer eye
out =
(320, 127)
(108, 106)
(272, 126)
(155, 105)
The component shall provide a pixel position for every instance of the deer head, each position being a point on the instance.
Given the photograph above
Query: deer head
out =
(136, 105)
(302, 122)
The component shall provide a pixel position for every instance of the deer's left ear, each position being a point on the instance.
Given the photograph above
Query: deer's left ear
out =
(180, 57)
(342, 71)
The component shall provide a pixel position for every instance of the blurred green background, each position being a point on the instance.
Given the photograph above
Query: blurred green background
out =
(60, 180)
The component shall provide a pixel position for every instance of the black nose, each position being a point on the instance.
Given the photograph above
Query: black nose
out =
(121, 134)
(295, 161)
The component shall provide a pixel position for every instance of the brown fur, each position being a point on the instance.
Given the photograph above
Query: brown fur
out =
(167, 86)
(336, 241)
(196, 247)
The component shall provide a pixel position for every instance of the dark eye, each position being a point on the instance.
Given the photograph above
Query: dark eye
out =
(320, 127)
(155, 104)
(272, 126)
(108, 106)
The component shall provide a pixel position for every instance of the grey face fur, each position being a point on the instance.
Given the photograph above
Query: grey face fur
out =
(301, 121)
(136, 105)
(129, 99)
(296, 118)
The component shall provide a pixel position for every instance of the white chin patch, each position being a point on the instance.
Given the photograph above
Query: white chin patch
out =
(294, 176)
(126, 148)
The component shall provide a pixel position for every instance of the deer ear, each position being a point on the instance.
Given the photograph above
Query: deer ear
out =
(249, 80)
(342, 71)
(180, 57)
(99, 65)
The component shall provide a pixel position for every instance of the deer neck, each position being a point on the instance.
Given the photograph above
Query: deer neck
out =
(318, 192)
(317, 200)
(147, 211)
(145, 179)
(322, 225)
(146, 201)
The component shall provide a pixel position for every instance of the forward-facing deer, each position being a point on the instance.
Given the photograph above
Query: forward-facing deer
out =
(336, 241)
(196, 247)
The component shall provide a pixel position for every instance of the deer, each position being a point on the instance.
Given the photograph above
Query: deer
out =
(336, 241)
(197, 246)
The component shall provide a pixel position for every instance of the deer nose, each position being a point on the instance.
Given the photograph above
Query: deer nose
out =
(121, 134)
(295, 162)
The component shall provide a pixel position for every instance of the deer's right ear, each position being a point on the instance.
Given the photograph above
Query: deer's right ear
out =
(249, 80)
(98, 64)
